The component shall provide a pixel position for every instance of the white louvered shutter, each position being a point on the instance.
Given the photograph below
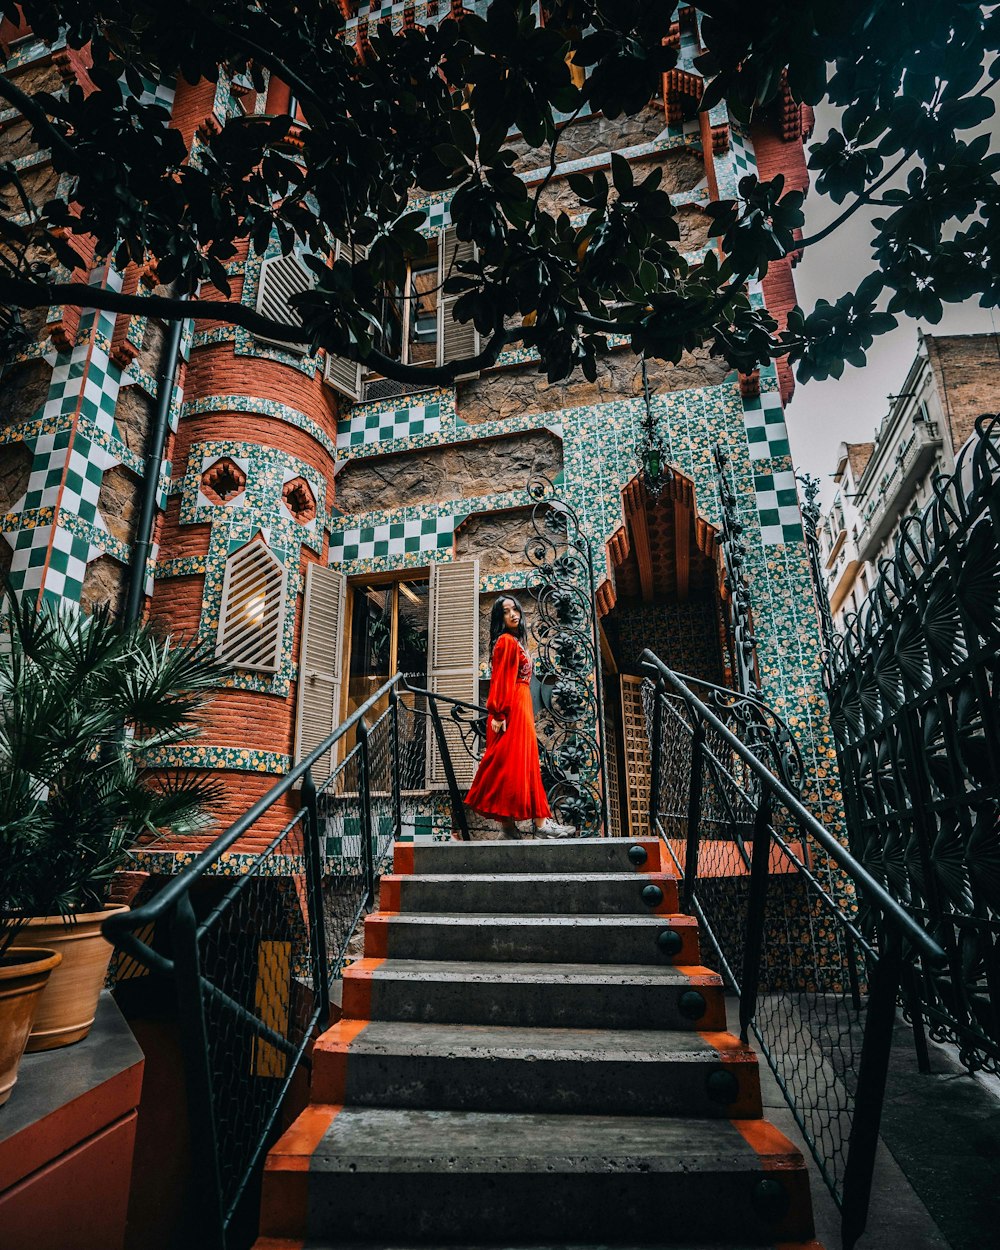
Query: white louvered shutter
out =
(280, 278)
(458, 339)
(453, 660)
(317, 705)
(342, 374)
(253, 609)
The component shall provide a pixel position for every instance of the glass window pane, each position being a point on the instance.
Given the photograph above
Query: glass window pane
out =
(411, 645)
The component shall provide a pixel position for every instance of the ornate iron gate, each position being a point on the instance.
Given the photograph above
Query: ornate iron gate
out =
(571, 727)
(914, 690)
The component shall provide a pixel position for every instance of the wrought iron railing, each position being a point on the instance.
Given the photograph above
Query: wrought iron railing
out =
(913, 687)
(252, 957)
(778, 896)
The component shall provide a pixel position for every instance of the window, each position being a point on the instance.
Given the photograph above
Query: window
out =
(280, 278)
(356, 636)
(389, 628)
(417, 325)
(253, 609)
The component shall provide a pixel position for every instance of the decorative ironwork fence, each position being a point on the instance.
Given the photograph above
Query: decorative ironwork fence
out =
(765, 879)
(571, 726)
(914, 691)
(251, 958)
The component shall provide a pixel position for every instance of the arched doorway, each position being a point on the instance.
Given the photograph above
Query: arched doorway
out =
(664, 592)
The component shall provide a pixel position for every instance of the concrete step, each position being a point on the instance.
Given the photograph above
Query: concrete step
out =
(604, 894)
(444, 1178)
(310, 1243)
(534, 939)
(570, 855)
(488, 1068)
(585, 996)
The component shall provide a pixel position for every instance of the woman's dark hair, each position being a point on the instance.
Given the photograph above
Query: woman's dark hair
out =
(497, 626)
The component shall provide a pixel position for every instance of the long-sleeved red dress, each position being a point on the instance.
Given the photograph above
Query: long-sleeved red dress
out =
(508, 781)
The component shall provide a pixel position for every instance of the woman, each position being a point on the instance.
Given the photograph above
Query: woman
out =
(508, 783)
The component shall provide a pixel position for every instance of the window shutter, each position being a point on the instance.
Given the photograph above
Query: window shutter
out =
(457, 339)
(317, 709)
(280, 278)
(453, 660)
(342, 374)
(253, 609)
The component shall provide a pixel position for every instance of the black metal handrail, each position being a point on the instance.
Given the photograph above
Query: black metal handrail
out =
(833, 1019)
(252, 963)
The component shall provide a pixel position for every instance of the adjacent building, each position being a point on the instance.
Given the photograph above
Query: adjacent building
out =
(953, 380)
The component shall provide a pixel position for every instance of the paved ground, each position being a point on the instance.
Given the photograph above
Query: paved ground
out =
(937, 1178)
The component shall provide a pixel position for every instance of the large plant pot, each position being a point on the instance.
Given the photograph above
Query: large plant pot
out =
(69, 1002)
(24, 970)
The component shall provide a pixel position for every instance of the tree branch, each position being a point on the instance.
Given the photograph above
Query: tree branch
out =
(863, 199)
(24, 294)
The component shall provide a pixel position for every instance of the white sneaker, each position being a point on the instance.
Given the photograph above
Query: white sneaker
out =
(550, 828)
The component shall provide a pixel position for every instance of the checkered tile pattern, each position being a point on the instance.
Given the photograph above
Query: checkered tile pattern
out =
(393, 538)
(161, 92)
(61, 528)
(438, 216)
(744, 157)
(778, 508)
(364, 427)
(66, 477)
(66, 555)
(764, 418)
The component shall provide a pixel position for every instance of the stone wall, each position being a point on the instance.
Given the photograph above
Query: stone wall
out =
(463, 470)
(105, 583)
(497, 538)
(682, 170)
(24, 389)
(596, 133)
(118, 502)
(514, 392)
(15, 469)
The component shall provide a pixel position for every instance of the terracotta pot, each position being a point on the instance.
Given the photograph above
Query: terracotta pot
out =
(69, 1003)
(24, 971)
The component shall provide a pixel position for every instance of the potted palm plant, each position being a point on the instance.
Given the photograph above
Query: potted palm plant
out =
(82, 701)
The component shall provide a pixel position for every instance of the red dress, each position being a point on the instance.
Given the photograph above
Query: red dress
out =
(508, 781)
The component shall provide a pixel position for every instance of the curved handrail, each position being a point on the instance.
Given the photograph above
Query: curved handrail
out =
(877, 894)
(120, 927)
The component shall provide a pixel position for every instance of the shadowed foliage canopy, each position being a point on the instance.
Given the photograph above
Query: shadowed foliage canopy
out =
(432, 109)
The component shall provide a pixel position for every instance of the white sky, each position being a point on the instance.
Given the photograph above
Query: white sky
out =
(822, 414)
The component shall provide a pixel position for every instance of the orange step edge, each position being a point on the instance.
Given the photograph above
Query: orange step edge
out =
(284, 1198)
(781, 1157)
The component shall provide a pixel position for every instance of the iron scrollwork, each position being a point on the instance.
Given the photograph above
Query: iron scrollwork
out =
(568, 659)
(758, 725)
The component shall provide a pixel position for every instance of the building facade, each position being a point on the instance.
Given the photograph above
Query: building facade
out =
(953, 379)
(324, 530)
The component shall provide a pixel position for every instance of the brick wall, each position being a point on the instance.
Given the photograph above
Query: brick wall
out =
(966, 370)
(776, 156)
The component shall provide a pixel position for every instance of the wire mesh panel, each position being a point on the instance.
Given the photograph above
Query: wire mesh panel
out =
(260, 1007)
(809, 963)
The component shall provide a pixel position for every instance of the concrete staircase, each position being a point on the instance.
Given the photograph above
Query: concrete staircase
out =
(531, 1055)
